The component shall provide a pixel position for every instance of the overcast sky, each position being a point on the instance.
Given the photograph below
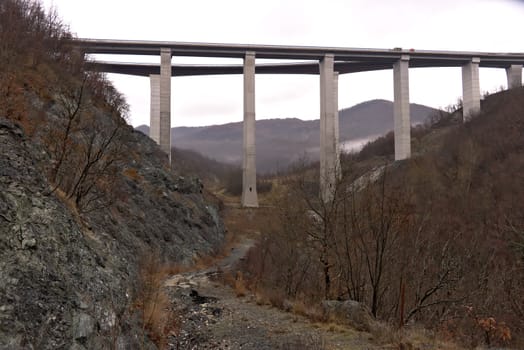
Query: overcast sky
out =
(475, 25)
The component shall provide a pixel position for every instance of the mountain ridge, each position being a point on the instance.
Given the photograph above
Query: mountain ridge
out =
(281, 141)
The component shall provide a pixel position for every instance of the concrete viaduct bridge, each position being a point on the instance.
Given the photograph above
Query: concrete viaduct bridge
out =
(327, 62)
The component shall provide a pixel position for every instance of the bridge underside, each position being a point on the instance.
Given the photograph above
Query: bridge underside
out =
(312, 68)
(327, 63)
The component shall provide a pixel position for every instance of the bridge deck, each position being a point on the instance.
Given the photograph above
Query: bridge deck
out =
(347, 60)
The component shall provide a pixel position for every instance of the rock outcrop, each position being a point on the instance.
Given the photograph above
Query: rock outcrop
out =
(68, 282)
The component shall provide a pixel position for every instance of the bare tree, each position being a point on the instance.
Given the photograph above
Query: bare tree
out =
(87, 141)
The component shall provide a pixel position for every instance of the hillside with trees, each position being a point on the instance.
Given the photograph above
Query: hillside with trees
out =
(89, 208)
(435, 241)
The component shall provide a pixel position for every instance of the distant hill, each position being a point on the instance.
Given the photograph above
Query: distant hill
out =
(282, 141)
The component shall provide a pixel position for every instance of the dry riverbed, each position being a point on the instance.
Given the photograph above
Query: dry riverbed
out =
(211, 316)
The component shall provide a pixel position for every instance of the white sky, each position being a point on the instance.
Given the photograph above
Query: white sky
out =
(474, 25)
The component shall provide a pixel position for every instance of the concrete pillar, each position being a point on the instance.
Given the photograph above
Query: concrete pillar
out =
(328, 149)
(338, 169)
(249, 172)
(514, 74)
(401, 108)
(470, 89)
(165, 102)
(154, 121)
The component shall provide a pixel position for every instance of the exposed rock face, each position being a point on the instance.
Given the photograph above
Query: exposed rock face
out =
(64, 286)
(349, 312)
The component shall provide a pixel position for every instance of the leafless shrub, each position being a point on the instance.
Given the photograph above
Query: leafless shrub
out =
(152, 302)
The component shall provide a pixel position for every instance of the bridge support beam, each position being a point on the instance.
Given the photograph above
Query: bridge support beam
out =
(401, 113)
(514, 74)
(164, 139)
(328, 127)
(154, 108)
(470, 89)
(249, 172)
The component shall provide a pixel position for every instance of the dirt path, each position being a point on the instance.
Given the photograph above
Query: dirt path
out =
(211, 316)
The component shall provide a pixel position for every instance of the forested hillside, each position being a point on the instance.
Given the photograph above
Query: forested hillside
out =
(89, 208)
(436, 240)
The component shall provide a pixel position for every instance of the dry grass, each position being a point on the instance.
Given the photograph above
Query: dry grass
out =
(409, 338)
(240, 285)
(157, 317)
(299, 307)
(228, 279)
(167, 270)
(245, 222)
(132, 173)
(336, 328)
(381, 333)
(260, 299)
(315, 313)
(275, 298)
(152, 302)
(305, 342)
(205, 261)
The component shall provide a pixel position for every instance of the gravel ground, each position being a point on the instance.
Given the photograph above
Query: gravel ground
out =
(211, 316)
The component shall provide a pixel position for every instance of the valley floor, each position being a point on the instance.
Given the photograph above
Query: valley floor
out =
(211, 316)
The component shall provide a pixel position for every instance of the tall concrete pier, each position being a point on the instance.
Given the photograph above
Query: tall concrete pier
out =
(328, 148)
(402, 123)
(249, 172)
(165, 101)
(154, 108)
(514, 74)
(470, 89)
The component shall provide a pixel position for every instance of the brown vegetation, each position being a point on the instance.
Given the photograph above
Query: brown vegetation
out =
(78, 117)
(152, 302)
(436, 240)
(45, 88)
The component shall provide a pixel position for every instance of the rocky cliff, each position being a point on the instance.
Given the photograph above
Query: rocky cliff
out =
(68, 281)
(85, 201)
